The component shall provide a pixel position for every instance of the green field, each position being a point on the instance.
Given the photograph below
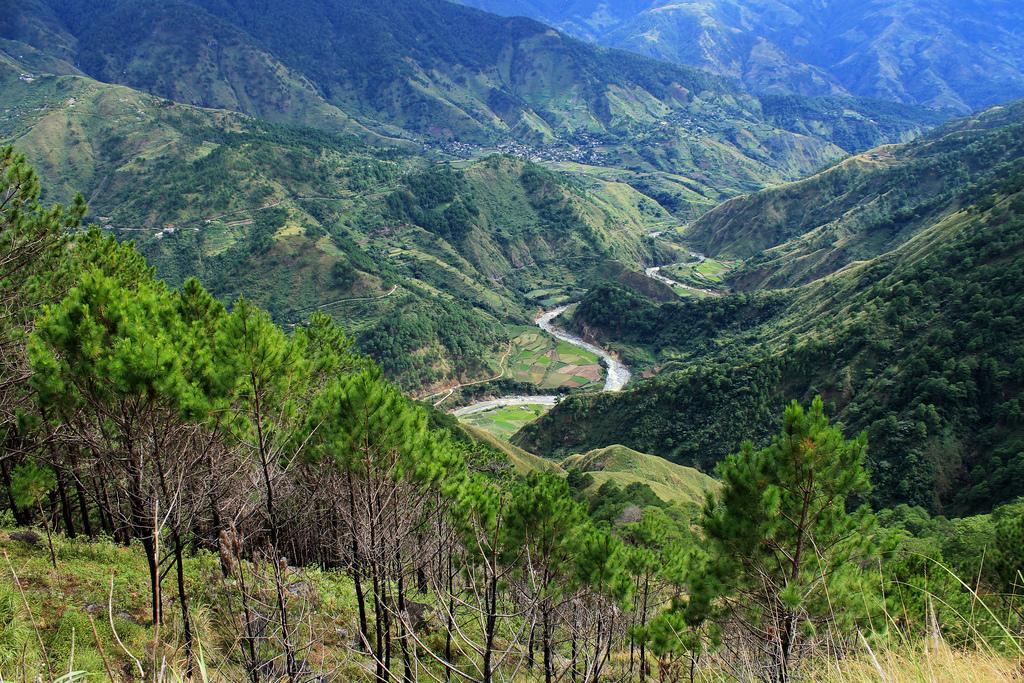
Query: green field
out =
(549, 297)
(504, 422)
(705, 273)
(551, 364)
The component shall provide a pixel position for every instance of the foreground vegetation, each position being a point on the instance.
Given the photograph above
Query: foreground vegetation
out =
(250, 505)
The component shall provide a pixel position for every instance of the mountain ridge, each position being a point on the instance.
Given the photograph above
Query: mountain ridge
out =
(946, 54)
(900, 344)
(355, 68)
(299, 220)
(863, 206)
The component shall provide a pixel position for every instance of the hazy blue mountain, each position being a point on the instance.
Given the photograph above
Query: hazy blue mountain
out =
(959, 54)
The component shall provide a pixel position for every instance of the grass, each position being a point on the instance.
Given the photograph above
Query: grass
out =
(921, 663)
(68, 602)
(670, 482)
(523, 461)
(712, 269)
(504, 422)
(98, 583)
(686, 292)
(91, 613)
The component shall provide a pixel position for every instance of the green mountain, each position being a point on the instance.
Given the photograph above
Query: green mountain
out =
(327, 199)
(424, 263)
(441, 73)
(941, 53)
(862, 207)
(917, 343)
(428, 263)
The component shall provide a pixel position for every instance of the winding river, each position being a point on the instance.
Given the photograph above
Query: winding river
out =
(616, 373)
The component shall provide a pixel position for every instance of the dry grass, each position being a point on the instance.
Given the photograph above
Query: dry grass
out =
(922, 663)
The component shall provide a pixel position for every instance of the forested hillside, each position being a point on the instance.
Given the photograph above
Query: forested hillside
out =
(253, 505)
(424, 264)
(864, 206)
(304, 208)
(942, 53)
(918, 345)
(439, 72)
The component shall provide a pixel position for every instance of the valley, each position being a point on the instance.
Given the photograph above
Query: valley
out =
(430, 244)
(697, 276)
(436, 255)
(400, 341)
(494, 414)
(616, 376)
(816, 312)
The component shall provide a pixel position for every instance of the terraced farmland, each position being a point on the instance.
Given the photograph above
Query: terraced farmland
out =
(550, 363)
(700, 273)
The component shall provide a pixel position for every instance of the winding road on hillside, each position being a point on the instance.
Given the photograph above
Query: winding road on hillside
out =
(501, 373)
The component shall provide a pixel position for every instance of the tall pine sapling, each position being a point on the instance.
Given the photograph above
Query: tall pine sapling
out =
(787, 556)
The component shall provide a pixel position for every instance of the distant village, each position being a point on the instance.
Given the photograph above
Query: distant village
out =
(582, 150)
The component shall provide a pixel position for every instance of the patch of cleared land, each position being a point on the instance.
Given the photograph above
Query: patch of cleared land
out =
(550, 364)
(700, 272)
(504, 422)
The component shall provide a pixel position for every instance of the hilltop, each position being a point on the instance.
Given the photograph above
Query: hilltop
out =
(623, 466)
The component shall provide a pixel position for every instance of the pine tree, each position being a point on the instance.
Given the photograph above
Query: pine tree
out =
(601, 569)
(30, 241)
(378, 447)
(786, 555)
(483, 598)
(544, 520)
(657, 562)
(107, 361)
(31, 485)
(265, 387)
(1008, 557)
